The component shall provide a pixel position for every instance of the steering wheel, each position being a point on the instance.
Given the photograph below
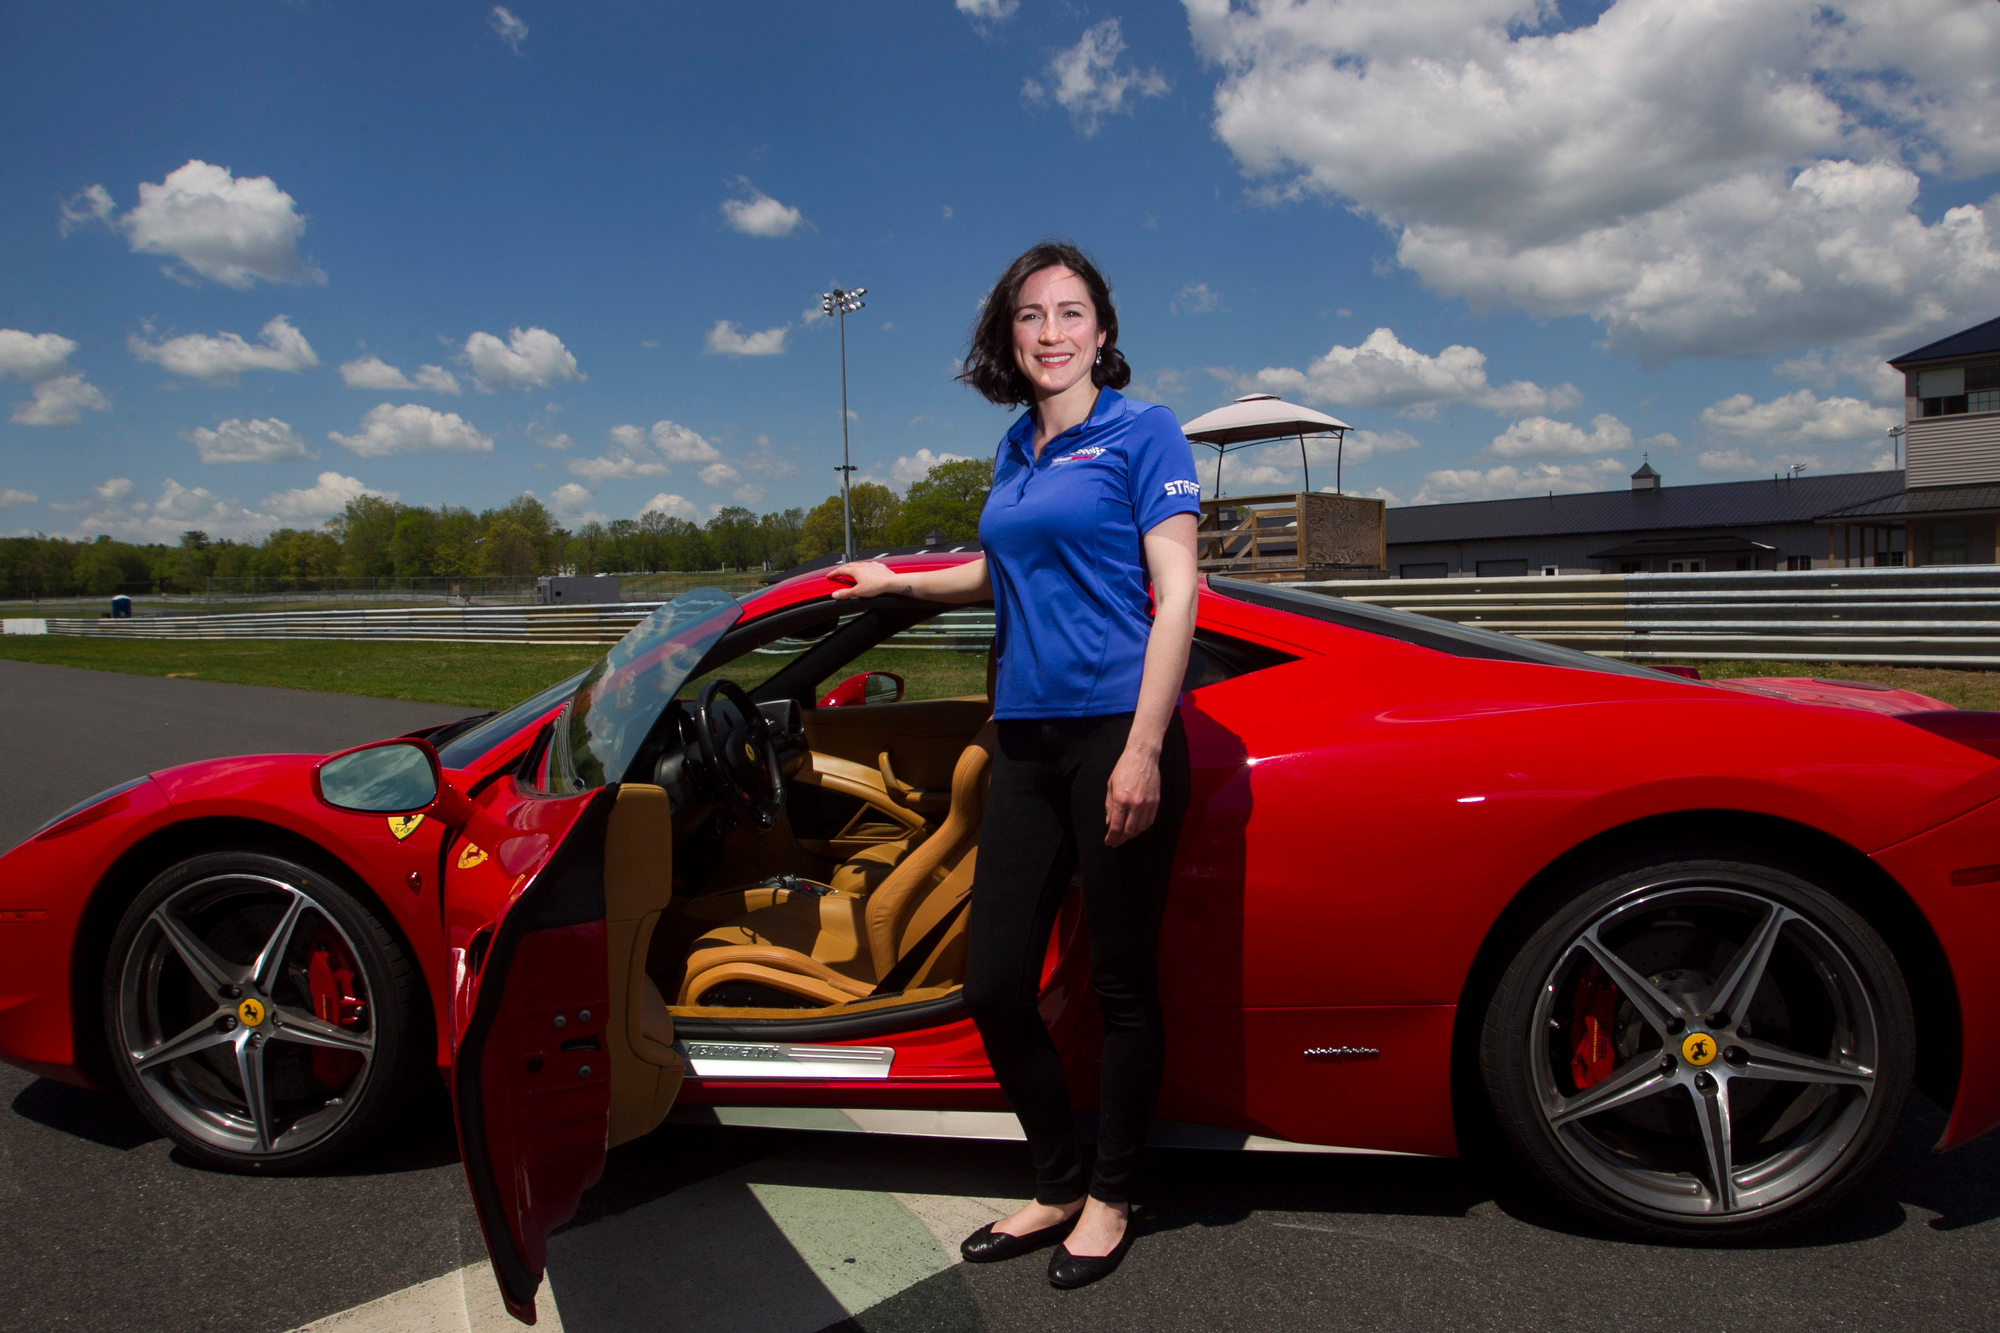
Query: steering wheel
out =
(741, 756)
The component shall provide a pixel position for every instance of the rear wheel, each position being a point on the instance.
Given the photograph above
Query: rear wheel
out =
(1700, 1050)
(257, 1013)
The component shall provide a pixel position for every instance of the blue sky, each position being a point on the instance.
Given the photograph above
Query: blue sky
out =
(1514, 244)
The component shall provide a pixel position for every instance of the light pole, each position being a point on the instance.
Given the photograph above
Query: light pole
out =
(1896, 446)
(840, 305)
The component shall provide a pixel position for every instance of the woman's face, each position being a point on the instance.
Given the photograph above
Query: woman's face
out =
(1055, 331)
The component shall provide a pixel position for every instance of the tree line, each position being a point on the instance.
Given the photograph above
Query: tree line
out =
(378, 538)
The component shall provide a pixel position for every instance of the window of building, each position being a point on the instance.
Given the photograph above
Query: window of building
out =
(1746, 562)
(1500, 569)
(1684, 567)
(1798, 562)
(1630, 567)
(1551, 569)
(1948, 544)
(1440, 570)
(1944, 393)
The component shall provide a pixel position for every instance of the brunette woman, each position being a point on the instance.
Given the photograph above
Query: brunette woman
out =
(1093, 506)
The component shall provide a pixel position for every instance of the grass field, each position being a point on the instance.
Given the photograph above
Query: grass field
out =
(476, 675)
(1960, 689)
(479, 675)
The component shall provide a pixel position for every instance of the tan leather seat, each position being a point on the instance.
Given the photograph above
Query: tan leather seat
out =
(835, 948)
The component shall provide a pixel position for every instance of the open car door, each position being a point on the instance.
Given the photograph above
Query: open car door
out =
(530, 1072)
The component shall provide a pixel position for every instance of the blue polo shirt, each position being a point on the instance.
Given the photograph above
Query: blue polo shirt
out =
(1063, 551)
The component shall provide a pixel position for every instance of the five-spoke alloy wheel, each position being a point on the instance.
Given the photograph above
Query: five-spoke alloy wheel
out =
(1700, 1050)
(256, 1012)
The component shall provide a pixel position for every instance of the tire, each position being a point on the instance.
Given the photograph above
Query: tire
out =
(198, 1007)
(1626, 1087)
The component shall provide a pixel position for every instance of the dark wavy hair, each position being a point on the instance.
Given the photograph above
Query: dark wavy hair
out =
(989, 357)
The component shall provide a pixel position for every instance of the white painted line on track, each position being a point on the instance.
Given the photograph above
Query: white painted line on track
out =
(789, 1244)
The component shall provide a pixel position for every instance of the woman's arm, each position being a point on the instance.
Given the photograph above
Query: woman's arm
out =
(1132, 798)
(954, 583)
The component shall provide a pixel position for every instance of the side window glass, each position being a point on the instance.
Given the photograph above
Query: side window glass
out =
(1214, 658)
(942, 658)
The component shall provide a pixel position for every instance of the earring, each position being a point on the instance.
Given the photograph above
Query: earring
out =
(1100, 357)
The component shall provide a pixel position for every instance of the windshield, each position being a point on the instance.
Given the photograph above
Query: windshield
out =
(470, 744)
(601, 728)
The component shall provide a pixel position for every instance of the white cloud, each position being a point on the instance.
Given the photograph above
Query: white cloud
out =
(911, 468)
(1196, 299)
(40, 358)
(60, 402)
(720, 474)
(724, 338)
(1800, 418)
(413, 429)
(560, 442)
(1362, 445)
(989, 11)
(327, 497)
(1382, 372)
(9, 497)
(437, 379)
(1705, 179)
(634, 452)
(178, 509)
(570, 503)
(1539, 437)
(93, 203)
(114, 489)
(32, 356)
(507, 28)
(235, 441)
(673, 506)
(760, 214)
(1455, 484)
(1823, 368)
(372, 372)
(530, 358)
(229, 229)
(1085, 79)
(678, 444)
(219, 359)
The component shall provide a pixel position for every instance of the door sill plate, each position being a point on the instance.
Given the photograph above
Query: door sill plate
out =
(778, 1059)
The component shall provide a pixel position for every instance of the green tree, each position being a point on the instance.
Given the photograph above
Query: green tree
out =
(946, 501)
(367, 531)
(780, 535)
(875, 509)
(734, 539)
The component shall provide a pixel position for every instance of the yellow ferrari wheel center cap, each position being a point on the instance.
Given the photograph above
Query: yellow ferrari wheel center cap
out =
(250, 1013)
(1698, 1048)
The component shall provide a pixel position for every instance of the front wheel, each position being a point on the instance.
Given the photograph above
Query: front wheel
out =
(258, 1014)
(1700, 1050)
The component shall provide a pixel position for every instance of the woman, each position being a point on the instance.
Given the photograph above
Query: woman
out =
(1094, 495)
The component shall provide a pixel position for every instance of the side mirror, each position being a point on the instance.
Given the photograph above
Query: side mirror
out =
(867, 687)
(395, 777)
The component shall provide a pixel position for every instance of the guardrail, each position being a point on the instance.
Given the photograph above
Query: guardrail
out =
(1945, 616)
(1938, 616)
(953, 631)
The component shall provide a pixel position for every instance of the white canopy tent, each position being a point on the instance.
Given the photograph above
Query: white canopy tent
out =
(1258, 418)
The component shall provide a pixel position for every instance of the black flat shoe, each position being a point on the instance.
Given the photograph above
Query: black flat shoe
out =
(1069, 1271)
(987, 1246)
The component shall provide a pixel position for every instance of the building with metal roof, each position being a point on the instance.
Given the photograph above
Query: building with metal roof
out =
(1951, 439)
(1649, 528)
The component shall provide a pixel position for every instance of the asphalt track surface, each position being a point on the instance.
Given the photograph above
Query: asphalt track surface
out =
(105, 1227)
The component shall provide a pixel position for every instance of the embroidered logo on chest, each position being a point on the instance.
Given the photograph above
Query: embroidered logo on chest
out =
(1083, 455)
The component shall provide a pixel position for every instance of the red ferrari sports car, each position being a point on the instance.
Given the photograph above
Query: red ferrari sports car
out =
(1683, 949)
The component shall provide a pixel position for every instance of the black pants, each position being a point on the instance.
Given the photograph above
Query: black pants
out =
(1044, 817)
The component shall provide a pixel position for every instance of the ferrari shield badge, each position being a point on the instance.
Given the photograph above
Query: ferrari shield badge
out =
(250, 1013)
(1698, 1049)
(471, 855)
(750, 752)
(404, 825)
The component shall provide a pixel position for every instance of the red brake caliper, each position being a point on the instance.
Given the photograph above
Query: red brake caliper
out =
(1592, 1010)
(330, 978)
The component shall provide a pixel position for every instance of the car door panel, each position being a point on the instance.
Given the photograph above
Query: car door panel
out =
(530, 1072)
